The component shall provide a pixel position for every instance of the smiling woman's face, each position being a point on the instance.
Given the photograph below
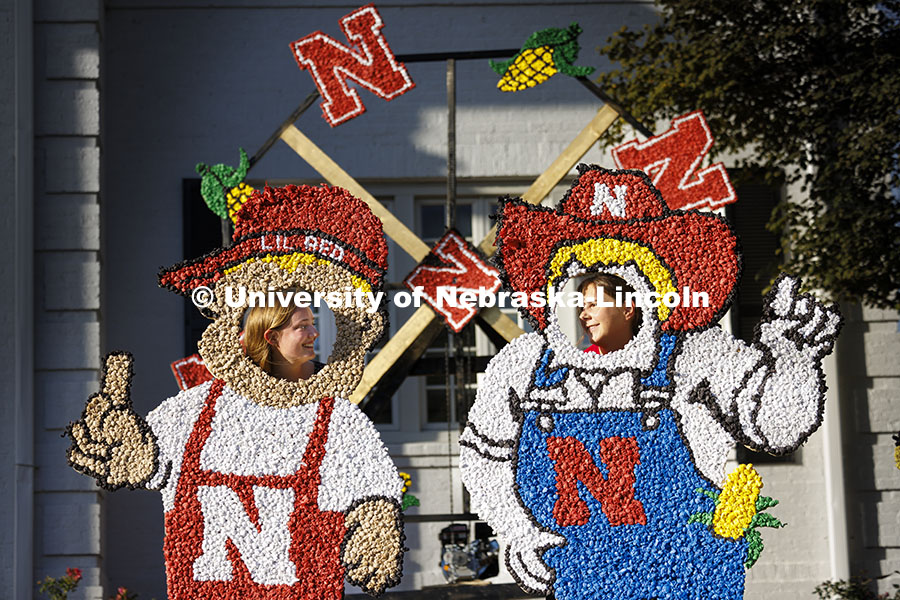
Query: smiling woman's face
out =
(607, 326)
(294, 340)
(226, 358)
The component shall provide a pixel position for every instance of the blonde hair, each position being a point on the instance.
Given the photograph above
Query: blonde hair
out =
(259, 320)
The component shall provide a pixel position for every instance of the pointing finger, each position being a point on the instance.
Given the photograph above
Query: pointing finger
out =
(785, 292)
(117, 377)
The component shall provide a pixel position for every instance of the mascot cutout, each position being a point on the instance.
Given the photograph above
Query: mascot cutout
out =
(604, 473)
(271, 488)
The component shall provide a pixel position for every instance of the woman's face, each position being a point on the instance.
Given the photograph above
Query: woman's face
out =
(295, 339)
(609, 327)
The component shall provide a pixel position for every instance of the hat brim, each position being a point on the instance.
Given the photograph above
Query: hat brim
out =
(699, 249)
(206, 270)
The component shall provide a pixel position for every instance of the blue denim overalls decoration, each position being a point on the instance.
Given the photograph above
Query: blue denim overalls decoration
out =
(663, 558)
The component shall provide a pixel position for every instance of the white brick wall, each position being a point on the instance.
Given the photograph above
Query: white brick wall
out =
(69, 281)
(68, 107)
(69, 222)
(68, 506)
(870, 370)
(68, 50)
(67, 165)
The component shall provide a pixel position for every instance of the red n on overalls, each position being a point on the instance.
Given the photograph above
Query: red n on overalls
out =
(315, 535)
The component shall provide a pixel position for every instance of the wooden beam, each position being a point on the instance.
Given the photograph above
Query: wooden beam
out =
(602, 121)
(406, 239)
(423, 318)
(501, 323)
(379, 396)
(392, 351)
(335, 175)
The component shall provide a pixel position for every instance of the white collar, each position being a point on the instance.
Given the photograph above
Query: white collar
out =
(639, 354)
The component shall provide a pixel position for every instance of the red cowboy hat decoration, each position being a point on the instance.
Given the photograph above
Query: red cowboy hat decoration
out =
(326, 222)
(614, 218)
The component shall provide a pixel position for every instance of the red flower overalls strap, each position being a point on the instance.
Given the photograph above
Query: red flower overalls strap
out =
(313, 559)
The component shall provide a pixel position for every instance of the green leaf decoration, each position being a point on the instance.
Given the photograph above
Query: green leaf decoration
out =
(553, 37)
(705, 517)
(764, 502)
(754, 547)
(765, 520)
(408, 500)
(564, 43)
(218, 179)
(501, 67)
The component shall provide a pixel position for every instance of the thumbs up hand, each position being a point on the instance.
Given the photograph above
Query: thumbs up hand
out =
(111, 442)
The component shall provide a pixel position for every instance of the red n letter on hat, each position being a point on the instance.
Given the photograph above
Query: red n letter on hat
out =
(574, 463)
(370, 63)
(671, 160)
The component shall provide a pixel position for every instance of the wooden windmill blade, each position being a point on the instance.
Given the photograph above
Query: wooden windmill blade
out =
(405, 346)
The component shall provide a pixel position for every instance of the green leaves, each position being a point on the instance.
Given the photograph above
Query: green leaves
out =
(754, 547)
(218, 179)
(704, 517)
(764, 502)
(812, 88)
(407, 501)
(765, 520)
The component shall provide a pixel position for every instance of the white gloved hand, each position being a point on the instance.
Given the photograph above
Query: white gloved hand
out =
(797, 318)
(524, 559)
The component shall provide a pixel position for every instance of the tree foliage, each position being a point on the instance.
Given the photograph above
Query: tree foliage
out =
(812, 88)
(855, 588)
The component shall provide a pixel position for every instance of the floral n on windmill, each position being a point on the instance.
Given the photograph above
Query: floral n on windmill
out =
(271, 487)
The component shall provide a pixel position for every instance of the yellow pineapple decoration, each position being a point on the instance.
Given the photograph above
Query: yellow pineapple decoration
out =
(236, 197)
(544, 54)
(529, 68)
(738, 512)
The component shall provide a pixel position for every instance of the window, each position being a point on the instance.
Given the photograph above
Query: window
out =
(201, 233)
(473, 222)
(748, 216)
